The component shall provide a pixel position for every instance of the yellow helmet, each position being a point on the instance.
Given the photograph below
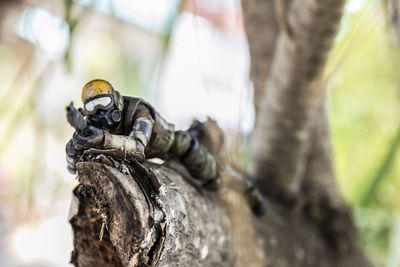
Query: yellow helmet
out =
(99, 94)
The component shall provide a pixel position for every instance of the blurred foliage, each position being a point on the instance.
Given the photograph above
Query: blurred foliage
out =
(72, 22)
(364, 76)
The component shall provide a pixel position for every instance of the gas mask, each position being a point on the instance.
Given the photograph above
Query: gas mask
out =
(106, 119)
(102, 104)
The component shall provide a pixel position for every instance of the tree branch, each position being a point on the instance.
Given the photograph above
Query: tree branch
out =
(178, 225)
(145, 224)
(260, 22)
(293, 95)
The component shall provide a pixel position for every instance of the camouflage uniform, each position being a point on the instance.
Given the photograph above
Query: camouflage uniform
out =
(160, 140)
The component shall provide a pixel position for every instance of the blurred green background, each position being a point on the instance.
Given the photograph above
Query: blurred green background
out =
(364, 79)
(189, 59)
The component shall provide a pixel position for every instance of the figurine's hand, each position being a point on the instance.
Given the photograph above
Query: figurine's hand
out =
(72, 156)
(93, 137)
(71, 151)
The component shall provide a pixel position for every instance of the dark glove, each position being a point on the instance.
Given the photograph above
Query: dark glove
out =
(93, 136)
(72, 156)
(71, 151)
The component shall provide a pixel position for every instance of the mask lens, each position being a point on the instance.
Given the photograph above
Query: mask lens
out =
(89, 106)
(97, 103)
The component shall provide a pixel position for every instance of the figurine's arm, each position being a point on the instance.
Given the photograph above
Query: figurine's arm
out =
(142, 127)
(135, 143)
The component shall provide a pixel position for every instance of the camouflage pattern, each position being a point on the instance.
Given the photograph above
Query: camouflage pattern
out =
(200, 162)
(165, 142)
(161, 139)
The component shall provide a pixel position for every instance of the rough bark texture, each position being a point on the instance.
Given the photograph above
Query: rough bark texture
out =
(151, 217)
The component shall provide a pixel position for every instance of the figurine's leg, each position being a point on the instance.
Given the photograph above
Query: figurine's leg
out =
(256, 200)
(195, 157)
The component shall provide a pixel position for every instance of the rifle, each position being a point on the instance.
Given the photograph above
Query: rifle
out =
(76, 118)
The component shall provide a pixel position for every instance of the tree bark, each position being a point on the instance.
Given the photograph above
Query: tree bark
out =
(150, 216)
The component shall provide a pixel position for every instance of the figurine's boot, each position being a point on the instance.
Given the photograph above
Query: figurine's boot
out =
(197, 160)
(247, 186)
(255, 198)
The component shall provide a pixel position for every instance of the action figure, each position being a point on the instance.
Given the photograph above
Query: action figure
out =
(132, 126)
(113, 121)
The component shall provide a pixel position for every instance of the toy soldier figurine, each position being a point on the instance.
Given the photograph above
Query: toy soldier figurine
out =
(132, 126)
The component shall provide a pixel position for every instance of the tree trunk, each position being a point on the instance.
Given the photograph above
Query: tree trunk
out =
(293, 93)
(292, 150)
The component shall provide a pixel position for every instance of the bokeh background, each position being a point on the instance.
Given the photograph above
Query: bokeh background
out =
(190, 60)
